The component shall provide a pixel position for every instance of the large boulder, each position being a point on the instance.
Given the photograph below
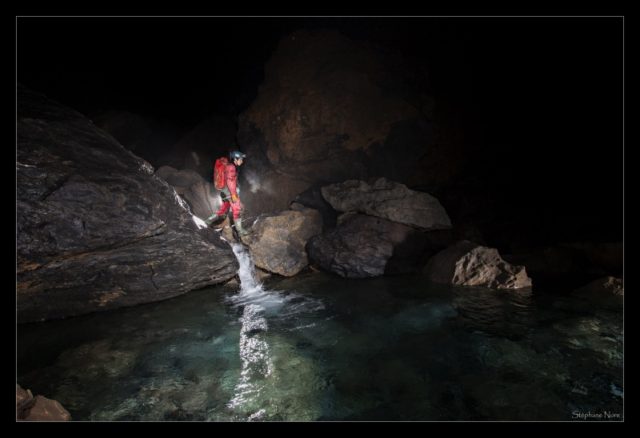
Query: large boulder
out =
(202, 197)
(96, 230)
(469, 264)
(332, 108)
(365, 246)
(388, 200)
(277, 242)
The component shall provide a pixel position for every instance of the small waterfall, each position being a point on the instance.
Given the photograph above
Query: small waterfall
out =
(249, 285)
(251, 290)
(254, 349)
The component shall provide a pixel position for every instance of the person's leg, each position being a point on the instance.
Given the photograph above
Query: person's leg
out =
(222, 211)
(237, 220)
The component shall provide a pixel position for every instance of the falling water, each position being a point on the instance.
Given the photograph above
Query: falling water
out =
(254, 349)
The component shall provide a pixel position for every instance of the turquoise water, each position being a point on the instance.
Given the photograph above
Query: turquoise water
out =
(319, 347)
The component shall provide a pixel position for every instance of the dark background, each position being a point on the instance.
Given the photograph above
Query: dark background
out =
(537, 100)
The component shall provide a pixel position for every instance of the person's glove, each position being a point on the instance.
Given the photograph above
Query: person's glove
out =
(234, 198)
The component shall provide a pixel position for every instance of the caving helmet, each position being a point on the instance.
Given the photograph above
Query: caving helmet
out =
(236, 155)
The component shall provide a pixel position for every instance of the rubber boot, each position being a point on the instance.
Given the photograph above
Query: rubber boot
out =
(240, 229)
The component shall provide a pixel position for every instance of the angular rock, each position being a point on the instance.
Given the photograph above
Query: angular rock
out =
(388, 200)
(277, 242)
(96, 230)
(365, 246)
(469, 264)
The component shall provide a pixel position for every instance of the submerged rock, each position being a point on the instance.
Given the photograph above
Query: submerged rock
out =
(277, 242)
(96, 230)
(388, 200)
(469, 264)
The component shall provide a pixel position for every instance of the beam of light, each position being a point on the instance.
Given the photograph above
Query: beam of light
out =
(254, 182)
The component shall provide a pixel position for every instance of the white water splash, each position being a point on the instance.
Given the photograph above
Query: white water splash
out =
(199, 222)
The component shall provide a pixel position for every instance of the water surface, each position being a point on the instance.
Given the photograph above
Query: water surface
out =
(319, 347)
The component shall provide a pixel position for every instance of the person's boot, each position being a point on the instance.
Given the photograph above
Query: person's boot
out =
(240, 229)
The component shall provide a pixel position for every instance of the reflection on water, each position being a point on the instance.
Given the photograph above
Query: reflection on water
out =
(318, 347)
(503, 313)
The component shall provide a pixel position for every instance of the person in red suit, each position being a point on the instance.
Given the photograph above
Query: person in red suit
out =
(227, 183)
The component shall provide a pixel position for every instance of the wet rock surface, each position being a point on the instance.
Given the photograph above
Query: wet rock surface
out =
(95, 229)
(277, 242)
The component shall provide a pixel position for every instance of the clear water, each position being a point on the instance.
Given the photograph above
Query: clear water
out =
(318, 347)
